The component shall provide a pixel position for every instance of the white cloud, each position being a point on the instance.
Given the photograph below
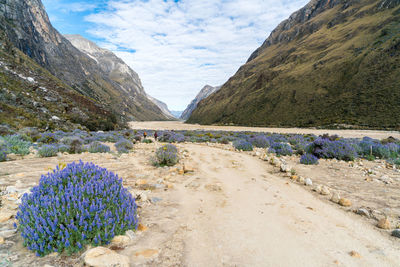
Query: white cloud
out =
(182, 46)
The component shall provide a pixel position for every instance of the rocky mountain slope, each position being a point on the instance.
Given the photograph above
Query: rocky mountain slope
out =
(333, 63)
(26, 25)
(30, 96)
(206, 91)
(117, 70)
(163, 107)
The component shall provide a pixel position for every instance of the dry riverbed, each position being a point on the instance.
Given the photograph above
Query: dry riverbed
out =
(220, 207)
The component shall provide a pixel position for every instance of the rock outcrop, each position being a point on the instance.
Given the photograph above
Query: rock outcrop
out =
(333, 63)
(26, 24)
(206, 91)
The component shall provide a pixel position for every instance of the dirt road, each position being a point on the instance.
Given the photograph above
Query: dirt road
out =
(231, 211)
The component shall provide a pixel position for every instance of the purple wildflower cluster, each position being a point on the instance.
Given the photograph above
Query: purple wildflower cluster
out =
(308, 159)
(172, 137)
(167, 155)
(97, 147)
(78, 205)
(243, 145)
(260, 141)
(123, 145)
(281, 149)
(327, 149)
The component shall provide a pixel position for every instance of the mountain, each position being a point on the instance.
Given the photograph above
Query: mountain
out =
(177, 113)
(27, 26)
(163, 107)
(206, 91)
(30, 96)
(333, 63)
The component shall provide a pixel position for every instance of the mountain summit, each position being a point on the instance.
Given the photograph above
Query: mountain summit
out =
(333, 63)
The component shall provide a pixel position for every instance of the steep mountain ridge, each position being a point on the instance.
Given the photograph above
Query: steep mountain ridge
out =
(30, 96)
(163, 107)
(27, 26)
(333, 63)
(206, 91)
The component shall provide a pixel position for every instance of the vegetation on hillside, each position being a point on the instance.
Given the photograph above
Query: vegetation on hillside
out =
(341, 68)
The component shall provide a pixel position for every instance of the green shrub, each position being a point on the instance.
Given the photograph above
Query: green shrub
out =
(17, 144)
(167, 155)
(48, 151)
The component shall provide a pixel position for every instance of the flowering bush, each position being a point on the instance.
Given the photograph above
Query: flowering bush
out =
(281, 149)
(172, 137)
(78, 205)
(167, 155)
(48, 138)
(308, 159)
(63, 148)
(48, 151)
(147, 141)
(243, 145)
(16, 144)
(123, 145)
(325, 148)
(97, 147)
(260, 141)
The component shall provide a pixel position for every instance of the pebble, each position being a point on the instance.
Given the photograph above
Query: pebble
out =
(396, 233)
(131, 234)
(1, 240)
(188, 168)
(317, 188)
(142, 227)
(8, 233)
(301, 180)
(285, 168)
(308, 182)
(325, 191)
(120, 241)
(5, 216)
(147, 253)
(155, 200)
(383, 224)
(363, 212)
(141, 182)
(355, 254)
(344, 202)
(104, 257)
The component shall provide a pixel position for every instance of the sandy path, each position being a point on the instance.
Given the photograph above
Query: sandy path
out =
(241, 215)
(176, 125)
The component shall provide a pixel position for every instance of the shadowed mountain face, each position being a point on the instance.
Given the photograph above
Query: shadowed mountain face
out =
(116, 87)
(204, 93)
(332, 63)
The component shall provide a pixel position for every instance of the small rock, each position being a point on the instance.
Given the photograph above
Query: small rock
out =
(187, 168)
(8, 233)
(285, 168)
(104, 257)
(308, 182)
(120, 241)
(155, 200)
(147, 253)
(5, 216)
(141, 182)
(325, 191)
(294, 177)
(131, 234)
(301, 180)
(396, 233)
(1, 240)
(142, 227)
(344, 202)
(355, 254)
(383, 224)
(363, 212)
(335, 197)
(317, 188)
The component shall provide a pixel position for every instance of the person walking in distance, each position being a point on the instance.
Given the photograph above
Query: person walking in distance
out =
(155, 135)
(144, 135)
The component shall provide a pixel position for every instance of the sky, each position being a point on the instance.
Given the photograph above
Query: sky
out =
(176, 46)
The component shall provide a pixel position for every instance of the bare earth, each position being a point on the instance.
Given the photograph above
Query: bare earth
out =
(234, 209)
(177, 125)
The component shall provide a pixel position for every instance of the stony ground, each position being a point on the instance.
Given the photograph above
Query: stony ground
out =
(219, 207)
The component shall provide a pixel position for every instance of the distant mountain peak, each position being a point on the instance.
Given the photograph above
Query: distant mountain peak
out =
(206, 91)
